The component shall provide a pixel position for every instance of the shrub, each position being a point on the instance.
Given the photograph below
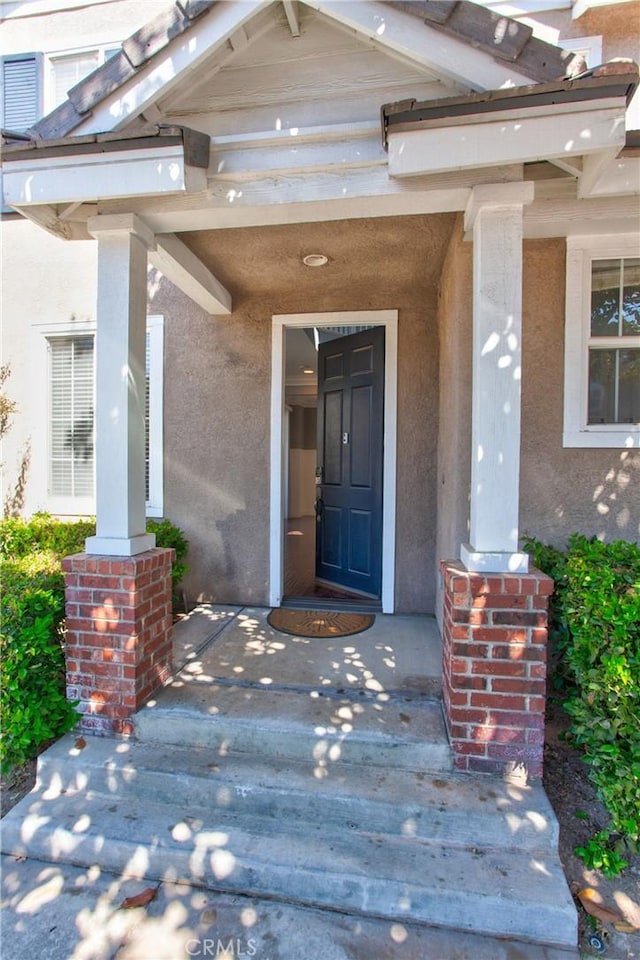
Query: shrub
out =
(20, 537)
(33, 707)
(168, 535)
(596, 613)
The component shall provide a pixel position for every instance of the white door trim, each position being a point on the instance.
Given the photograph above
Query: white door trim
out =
(383, 318)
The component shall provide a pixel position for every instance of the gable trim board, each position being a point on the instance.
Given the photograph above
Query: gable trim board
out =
(153, 59)
(277, 504)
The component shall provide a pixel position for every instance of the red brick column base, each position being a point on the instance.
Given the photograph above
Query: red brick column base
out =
(118, 634)
(494, 648)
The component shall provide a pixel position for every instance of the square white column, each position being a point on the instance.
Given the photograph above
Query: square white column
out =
(495, 213)
(123, 242)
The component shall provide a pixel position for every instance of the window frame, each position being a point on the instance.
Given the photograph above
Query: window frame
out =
(581, 252)
(47, 98)
(86, 506)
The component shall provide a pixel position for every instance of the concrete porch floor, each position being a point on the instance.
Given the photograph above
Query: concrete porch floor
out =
(398, 655)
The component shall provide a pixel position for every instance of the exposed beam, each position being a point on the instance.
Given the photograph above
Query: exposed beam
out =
(572, 165)
(594, 169)
(291, 10)
(183, 268)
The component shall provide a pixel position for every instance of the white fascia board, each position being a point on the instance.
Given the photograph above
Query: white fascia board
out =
(91, 176)
(172, 65)
(183, 268)
(619, 176)
(485, 142)
(416, 42)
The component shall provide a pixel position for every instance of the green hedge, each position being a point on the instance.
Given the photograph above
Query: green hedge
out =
(33, 707)
(20, 537)
(595, 614)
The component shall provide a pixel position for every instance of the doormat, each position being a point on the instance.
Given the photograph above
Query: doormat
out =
(319, 623)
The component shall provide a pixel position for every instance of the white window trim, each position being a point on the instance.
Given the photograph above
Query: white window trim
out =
(591, 47)
(42, 333)
(48, 87)
(581, 251)
(155, 329)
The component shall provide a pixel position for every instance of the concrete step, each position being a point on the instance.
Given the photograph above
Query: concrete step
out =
(182, 922)
(492, 893)
(389, 732)
(458, 811)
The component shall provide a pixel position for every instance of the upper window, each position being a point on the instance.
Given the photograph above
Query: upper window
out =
(33, 84)
(602, 342)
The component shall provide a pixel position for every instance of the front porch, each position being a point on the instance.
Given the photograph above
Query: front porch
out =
(315, 774)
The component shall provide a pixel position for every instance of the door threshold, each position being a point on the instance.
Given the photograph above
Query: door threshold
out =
(335, 604)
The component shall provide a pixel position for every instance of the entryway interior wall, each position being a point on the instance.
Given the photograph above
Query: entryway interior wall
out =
(293, 448)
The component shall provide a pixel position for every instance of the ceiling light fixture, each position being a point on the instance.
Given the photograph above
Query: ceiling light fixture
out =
(315, 260)
(308, 370)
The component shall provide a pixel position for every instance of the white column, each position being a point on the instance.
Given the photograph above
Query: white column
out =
(123, 242)
(495, 213)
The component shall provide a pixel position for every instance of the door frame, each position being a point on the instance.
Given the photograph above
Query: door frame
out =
(348, 318)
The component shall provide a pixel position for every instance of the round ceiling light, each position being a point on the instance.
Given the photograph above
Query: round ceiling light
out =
(315, 260)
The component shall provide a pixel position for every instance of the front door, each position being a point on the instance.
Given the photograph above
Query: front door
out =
(350, 453)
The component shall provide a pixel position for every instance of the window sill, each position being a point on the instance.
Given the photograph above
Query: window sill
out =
(611, 439)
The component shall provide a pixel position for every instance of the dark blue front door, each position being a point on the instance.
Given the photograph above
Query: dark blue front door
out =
(350, 449)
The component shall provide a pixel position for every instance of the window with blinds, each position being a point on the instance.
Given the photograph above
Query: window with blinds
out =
(66, 71)
(71, 418)
(71, 378)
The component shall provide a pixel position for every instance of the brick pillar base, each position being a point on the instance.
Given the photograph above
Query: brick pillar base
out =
(494, 648)
(118, 634)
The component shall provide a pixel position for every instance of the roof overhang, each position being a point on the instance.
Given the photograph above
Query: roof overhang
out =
(577, 124)
(155, 161)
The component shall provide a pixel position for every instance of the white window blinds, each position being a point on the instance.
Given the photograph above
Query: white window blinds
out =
(71, 463)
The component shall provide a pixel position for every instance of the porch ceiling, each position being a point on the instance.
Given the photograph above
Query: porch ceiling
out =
(266, 261)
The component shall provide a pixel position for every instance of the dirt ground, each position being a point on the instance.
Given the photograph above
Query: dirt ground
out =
(579, 813)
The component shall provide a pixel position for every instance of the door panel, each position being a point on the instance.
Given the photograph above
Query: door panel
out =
(350, 461)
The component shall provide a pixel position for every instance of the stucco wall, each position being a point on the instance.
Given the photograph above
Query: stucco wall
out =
(454, 436)
(596, 492)
(562, 490)
(218, 381)
(44, 281)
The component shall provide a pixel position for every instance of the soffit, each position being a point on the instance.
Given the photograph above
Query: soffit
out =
(360, 251)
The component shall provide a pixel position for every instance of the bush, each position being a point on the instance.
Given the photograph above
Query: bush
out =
(168, 535)
(20, 537)
(596, 614)
(33, 707)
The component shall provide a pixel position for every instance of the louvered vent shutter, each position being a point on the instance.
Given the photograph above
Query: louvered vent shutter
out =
(71, 437)
(21, 91)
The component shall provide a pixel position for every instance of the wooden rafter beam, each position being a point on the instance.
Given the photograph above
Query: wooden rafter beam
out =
(293, 16)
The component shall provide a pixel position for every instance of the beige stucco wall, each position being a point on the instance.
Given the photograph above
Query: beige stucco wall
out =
(596, 492)
(218, 381)
(454, 437)
(47, 281)
(562, 490)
